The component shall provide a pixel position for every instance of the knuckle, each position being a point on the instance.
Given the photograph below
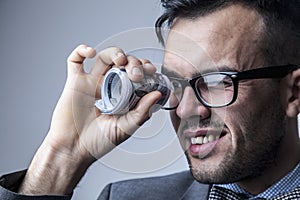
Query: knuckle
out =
(113, 50)
(81, 46)
(145, 61)
(138, 118)
(111, 54)
(133, 61)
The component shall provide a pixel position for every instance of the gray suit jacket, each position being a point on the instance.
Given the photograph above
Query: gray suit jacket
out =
(176, 186)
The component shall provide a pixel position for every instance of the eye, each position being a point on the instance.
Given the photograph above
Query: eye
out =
(227, 82)
(176, 85)
(218, 80)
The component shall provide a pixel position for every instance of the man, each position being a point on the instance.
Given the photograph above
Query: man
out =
(234, 67)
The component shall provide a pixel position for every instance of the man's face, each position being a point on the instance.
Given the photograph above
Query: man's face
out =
(245, 135)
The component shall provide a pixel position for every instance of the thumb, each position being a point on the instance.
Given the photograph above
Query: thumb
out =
(134, 119)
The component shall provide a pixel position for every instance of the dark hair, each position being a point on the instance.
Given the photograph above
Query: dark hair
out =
(281, 19)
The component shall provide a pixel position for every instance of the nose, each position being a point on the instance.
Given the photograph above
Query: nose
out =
(190, 106)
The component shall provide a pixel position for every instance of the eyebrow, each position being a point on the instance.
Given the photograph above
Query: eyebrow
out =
(222, 68)
(169, 72)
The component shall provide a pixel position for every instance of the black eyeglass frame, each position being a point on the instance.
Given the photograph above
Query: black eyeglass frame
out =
(271, 72)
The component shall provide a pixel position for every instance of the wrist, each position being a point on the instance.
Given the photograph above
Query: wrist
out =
(54, 171)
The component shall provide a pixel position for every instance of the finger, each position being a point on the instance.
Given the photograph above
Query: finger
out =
(134, 69)
(148, 67)
(76, 58)
(130, 122)
(106, 59)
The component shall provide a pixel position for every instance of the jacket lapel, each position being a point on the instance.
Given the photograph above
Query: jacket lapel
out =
(197, 191)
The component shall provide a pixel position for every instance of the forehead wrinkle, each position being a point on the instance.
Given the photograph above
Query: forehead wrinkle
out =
(178, 66)
(239, 37)
(231, 36)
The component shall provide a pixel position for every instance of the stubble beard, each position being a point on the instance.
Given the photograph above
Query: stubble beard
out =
(257, 155)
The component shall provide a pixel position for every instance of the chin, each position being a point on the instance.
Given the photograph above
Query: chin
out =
(215, 169)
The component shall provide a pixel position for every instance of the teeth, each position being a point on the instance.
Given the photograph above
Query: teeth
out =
(197, 140)
(203, 140)
(211, 138)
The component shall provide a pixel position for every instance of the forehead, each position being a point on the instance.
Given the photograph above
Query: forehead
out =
(228, 37)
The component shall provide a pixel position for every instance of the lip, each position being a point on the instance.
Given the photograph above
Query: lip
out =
(202, 132)
(202, 150)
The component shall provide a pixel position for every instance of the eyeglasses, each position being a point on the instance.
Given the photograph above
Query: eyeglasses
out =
(219, 89)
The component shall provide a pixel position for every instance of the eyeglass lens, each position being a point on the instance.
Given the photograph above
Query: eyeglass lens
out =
(213, 90)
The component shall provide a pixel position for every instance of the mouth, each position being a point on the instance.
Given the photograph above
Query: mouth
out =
(198, 140)
(201, 142)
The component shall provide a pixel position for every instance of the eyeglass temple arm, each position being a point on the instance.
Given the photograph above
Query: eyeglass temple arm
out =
(268, 72)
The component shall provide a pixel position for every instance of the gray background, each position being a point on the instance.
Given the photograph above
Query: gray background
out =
(36, 36)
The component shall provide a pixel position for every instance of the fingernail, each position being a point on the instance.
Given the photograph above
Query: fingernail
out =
(136, 71)
(118, 55)
(148, 65)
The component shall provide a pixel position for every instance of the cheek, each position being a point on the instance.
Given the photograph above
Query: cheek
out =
(175, 120)
(241, 116)
(237, 126)
(252, 116)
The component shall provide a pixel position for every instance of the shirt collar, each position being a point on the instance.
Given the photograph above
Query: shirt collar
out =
(286, 184)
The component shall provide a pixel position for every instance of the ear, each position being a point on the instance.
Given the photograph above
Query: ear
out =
(293, 101)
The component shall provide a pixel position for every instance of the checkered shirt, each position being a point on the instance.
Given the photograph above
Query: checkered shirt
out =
(280, 190)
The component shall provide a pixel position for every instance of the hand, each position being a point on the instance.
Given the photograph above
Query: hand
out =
(76, 118)
(79, 134)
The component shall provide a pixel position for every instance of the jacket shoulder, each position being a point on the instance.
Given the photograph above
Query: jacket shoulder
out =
(172, 186)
